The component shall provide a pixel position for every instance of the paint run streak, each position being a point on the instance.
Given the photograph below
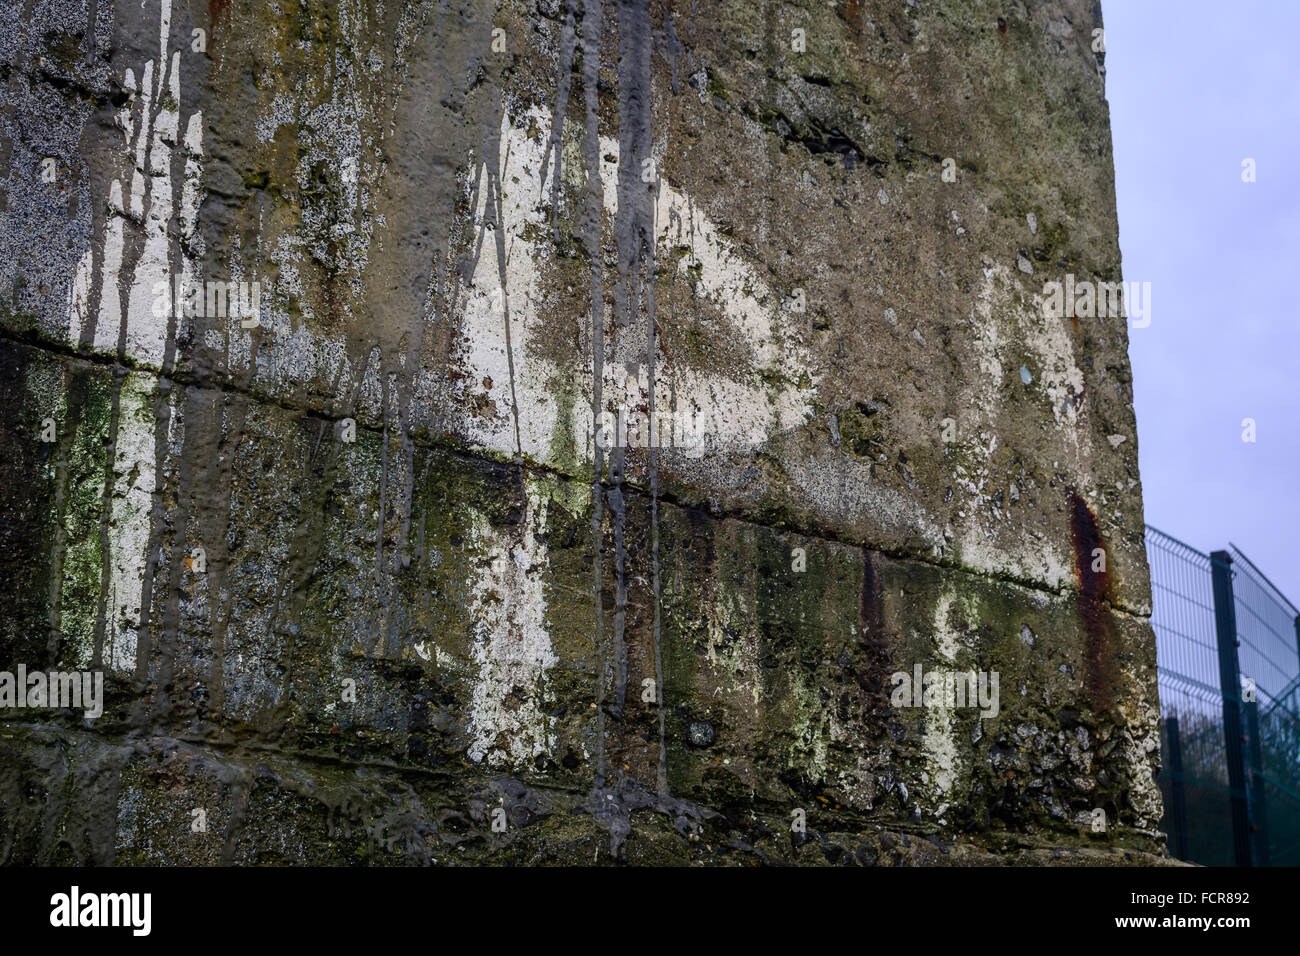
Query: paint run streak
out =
(1094, 591)
(592, 221)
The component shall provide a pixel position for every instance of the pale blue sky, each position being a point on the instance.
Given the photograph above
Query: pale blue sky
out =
(1195, 88)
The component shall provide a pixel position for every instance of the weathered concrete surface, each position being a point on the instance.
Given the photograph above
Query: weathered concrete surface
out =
(848, 350)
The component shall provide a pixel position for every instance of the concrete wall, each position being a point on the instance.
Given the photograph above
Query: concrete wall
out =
(814, 239)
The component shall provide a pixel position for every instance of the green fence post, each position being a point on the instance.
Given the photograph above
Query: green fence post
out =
(1225, 623)
(1258, 804)
(1177, 795)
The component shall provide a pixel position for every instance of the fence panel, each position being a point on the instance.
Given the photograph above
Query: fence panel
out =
(1187, 659)
(1212, 734)
(1270, 662)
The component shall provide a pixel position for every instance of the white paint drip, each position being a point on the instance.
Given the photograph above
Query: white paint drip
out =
(939, 746)
(133, 489)
(736, 415)
(998, 318)
(512, 645)
(147, 148)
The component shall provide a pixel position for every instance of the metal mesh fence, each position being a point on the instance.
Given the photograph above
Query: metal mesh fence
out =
(1202, 648)
(1270, 660)
(1194, 774)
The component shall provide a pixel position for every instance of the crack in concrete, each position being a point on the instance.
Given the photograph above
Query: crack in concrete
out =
(455, 448)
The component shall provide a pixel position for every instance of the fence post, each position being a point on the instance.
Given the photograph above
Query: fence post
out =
(1258, 808)
(1225, 624)
(1177, 796)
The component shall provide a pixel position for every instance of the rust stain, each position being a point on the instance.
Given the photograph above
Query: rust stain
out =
(217, 10)
(873, 680)
(850, 12)
(1094, 591)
